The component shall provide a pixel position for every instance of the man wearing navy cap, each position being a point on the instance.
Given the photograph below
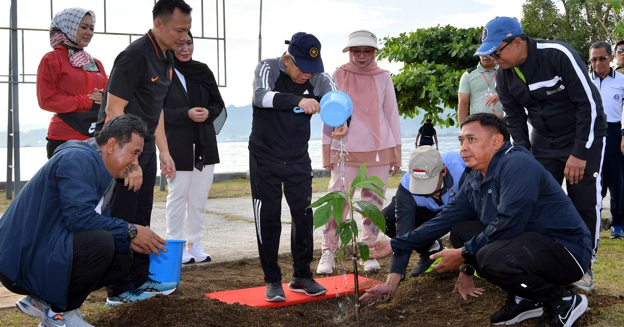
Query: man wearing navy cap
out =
(549, 79)
(279, 159)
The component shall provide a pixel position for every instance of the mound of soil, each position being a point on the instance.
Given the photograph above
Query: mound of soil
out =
(423, 301)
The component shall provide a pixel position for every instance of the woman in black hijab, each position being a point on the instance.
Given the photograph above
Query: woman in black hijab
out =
(191, 107)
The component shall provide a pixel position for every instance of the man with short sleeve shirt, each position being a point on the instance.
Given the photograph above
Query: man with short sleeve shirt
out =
(611, 87)
(477, 90)
(138, 84)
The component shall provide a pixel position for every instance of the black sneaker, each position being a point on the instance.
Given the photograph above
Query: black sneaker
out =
(562, 313)
(275, 292)
(306, 285)
(514, 312)
(424, 263)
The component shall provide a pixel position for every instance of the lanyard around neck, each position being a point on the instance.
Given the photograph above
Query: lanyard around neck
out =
(486, 80)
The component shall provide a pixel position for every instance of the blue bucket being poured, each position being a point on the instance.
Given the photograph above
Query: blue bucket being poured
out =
(167, 266)
(336, 108)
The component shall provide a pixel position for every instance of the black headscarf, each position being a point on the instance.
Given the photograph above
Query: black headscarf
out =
(201, 74)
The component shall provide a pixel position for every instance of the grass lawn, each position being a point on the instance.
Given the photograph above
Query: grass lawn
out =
(239, 187)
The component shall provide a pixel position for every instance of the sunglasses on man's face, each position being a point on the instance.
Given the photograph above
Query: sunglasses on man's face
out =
(496, 54)
(601, 58)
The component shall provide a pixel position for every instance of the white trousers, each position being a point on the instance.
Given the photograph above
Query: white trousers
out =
(369, 230)
(186, 204)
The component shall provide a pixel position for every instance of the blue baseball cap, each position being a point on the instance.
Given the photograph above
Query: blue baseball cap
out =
(306, 49)
(495, 31)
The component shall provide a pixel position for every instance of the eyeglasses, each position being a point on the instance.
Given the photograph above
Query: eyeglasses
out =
(601, 58)
(367, 52)
(496, 54)
(620, 50)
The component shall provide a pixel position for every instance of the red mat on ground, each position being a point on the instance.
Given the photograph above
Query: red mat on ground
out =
(336, 286)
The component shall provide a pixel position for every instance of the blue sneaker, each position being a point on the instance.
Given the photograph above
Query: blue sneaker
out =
(617, 232)
(155, 287)
(32, 306)
(73, 318)
(127, 297)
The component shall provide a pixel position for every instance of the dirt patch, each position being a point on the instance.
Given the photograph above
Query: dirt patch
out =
(424, 301)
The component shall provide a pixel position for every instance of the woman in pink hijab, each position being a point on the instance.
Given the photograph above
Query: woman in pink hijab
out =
(374, 136)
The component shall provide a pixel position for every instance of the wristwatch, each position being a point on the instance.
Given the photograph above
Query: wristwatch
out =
(132, 232)
(467, 270)
(466, 255)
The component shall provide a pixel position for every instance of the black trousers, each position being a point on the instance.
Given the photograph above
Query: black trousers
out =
(530, 265)
(95, 264)
(402, 216)
(136, 208)
(585, 195)
(267, 179)
(613, 172)
(51, 146)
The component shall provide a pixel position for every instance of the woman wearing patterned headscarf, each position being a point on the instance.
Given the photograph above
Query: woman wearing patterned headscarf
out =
(70, 82)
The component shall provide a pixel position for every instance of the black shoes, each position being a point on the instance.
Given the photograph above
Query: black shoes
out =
(515, 312)
(275, 292)
(306, 285)
(563, 312)
(424, 263)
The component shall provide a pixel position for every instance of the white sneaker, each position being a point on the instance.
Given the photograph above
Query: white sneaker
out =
(326, 264)
(73, 318)
(370, 265)
(198, 253)
(187, 257)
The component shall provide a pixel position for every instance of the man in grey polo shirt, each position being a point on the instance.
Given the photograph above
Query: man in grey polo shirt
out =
(477, 90)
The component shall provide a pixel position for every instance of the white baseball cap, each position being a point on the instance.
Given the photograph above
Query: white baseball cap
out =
(425, 166)
(361, 38)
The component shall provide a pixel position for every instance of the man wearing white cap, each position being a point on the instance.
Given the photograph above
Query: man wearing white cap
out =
(546, 83)
(430, 184)
(374, 137)
(521, 234)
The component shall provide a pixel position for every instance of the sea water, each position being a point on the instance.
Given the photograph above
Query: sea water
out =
(234, 156)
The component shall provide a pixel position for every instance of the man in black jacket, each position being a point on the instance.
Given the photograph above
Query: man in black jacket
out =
(279, 162)
(546, 83)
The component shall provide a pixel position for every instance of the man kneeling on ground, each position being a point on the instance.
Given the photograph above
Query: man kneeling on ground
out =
(57, 242)
(512, 224)
(426, 189)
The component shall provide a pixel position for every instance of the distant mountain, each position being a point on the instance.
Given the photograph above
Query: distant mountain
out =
(238, 125)
(236, 129)
(34, 137)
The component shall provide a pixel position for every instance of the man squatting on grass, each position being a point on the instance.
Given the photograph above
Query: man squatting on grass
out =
(58, 241)
(430, 184)
(522, 234)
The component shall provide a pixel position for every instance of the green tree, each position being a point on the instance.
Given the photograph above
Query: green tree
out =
(434, 60)
(579, 22)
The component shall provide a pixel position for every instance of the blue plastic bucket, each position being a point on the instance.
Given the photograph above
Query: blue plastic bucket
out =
(336, 108)
(166, 267)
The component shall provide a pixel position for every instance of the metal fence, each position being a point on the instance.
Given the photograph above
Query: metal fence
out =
(118, 23)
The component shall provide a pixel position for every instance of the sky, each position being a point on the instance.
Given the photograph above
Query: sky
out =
(330, 21)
